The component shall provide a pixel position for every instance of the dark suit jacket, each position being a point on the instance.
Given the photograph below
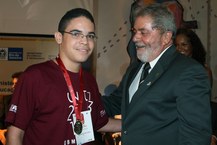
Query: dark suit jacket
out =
(172, 107)
(214, 118)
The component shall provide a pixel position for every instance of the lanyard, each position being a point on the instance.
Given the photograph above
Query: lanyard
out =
(77, 104)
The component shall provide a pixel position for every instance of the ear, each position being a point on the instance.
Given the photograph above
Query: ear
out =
(167, 37)
(58, 37)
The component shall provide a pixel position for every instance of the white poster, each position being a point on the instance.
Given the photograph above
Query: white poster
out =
(36, 16)
(18, 53)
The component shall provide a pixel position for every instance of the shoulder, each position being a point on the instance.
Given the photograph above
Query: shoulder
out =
(172, 59)
(180, 65)
(42, 68)
(39, 66)
(189, 69)
(41, 72)
(184, 61)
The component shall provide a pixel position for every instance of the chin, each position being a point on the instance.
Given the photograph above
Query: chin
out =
(142, 58)
(83, 60)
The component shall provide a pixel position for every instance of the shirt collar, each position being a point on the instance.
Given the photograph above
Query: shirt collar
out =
(153, 62)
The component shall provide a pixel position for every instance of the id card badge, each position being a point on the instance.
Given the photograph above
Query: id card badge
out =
(86, 134)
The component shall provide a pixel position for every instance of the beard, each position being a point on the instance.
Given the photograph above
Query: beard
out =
(144, 52)
(147, 52)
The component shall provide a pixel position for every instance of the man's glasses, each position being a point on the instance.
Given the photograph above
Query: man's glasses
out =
(79, 35)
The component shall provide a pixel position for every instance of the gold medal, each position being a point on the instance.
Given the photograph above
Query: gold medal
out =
(78, 127)
(78, 105)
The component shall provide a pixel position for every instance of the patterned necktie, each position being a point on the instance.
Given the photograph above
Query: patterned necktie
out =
(144, 72)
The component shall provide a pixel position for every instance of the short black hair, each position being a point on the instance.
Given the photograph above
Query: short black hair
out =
(72, 14)
(16, 74)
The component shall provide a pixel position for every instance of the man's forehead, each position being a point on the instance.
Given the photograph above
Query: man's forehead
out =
(143, 23)
(80, 23)
(145, 18)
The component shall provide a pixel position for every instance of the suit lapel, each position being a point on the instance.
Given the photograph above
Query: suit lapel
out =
(130, 75)
(158, 70)
(133, 72)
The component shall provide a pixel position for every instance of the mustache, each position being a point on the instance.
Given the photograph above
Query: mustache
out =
(140, 45)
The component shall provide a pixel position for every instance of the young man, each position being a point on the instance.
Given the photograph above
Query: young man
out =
(56, 102)
(171, 106)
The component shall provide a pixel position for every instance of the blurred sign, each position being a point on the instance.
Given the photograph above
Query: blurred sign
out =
(11, 54)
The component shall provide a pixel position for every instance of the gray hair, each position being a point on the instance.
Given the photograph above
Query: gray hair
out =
(163, 18)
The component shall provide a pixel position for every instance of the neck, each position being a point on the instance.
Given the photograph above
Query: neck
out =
(69, 65)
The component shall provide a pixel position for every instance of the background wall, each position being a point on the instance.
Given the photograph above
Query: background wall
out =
(36, 16)
(112, 17)
(30, 17)
(204, 11)
(114, 34)
(31, 51)
(112, 61)
(212, 44)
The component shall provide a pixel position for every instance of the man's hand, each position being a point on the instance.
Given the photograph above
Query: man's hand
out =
(213, 140)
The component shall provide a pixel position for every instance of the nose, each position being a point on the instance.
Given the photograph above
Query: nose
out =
(136, 37)
(84, 39)
(179, 48)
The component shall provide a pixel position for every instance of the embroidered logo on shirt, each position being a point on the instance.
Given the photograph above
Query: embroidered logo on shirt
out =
(102, 113)
(13, 108)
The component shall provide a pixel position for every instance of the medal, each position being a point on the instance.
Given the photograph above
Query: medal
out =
(78, 127)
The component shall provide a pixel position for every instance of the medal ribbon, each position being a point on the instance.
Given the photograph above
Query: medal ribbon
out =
(77, 105)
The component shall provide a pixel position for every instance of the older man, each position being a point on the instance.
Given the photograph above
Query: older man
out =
(170, 106)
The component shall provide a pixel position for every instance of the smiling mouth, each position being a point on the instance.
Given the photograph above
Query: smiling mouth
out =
(83, 50)
(139, 46)
(182, 52)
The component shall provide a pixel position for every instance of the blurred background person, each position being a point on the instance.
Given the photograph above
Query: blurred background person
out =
(15, 76)
(6, 101)
(188, 43)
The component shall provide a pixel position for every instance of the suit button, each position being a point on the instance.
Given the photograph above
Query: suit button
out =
(125, 132)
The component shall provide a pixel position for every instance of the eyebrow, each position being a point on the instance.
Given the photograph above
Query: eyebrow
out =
(141, 29)
(79, 31)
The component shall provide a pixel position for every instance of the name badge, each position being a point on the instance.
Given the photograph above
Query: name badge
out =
(86, 133)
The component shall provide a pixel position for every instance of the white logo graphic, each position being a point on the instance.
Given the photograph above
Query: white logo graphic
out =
(13, 108)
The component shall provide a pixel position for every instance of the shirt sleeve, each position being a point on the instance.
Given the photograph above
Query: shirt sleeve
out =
(23, 102)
